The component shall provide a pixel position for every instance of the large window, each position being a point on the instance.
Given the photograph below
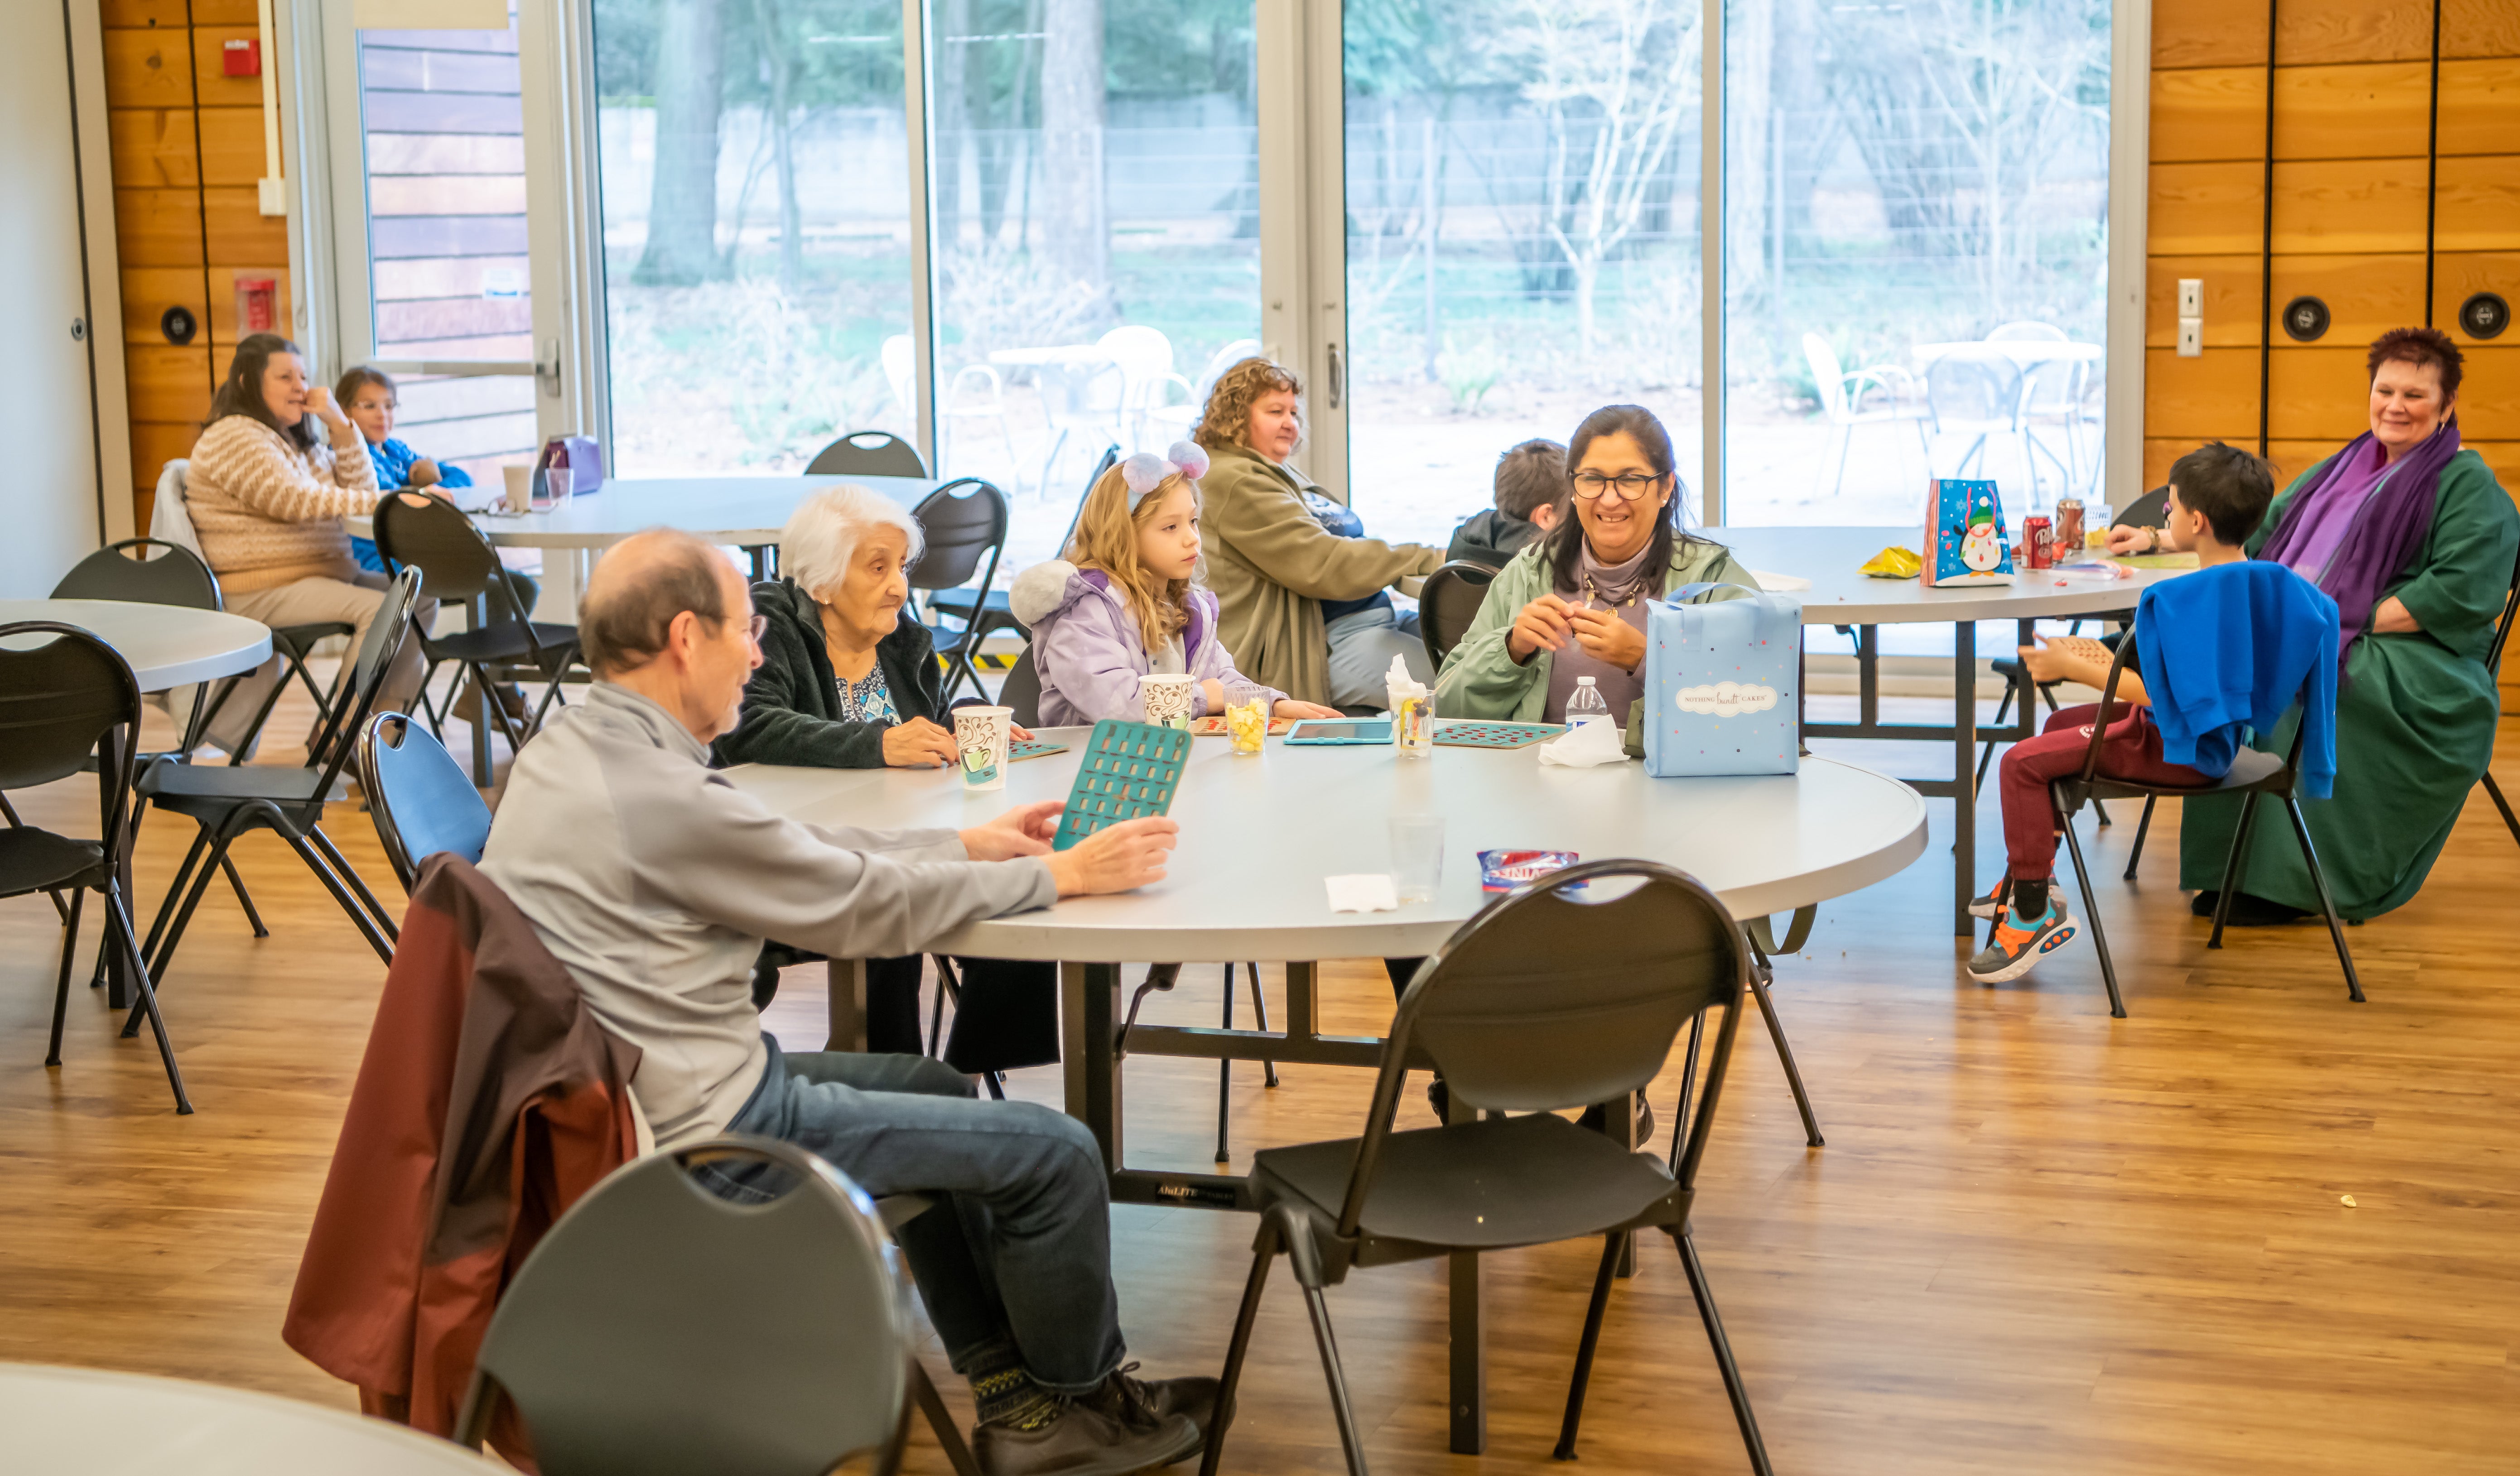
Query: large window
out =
(1915, 244)
(1097, 243)
(1522, 236)
(754, 177)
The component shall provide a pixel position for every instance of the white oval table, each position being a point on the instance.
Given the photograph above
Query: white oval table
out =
(101, 1423)
(1259, 833)
(1831, 559)
(167, 644)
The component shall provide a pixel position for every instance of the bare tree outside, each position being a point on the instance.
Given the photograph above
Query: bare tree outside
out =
(689, 90)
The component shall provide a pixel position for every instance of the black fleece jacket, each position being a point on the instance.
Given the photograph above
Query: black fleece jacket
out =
(792, 707)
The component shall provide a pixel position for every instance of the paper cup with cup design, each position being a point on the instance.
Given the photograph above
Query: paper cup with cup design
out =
(981, 735)
(1166, 698)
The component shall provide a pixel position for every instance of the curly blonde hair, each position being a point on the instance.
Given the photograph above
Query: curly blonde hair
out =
(1225, 421)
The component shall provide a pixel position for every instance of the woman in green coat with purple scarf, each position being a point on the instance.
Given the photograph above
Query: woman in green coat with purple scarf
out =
(2416, 541)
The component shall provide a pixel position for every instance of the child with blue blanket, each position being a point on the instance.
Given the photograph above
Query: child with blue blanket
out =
(2219, 654)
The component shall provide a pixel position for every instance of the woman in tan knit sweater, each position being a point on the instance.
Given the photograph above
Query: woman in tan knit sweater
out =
(272, 476)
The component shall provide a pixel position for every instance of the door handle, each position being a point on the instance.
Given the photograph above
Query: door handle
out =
(1336, 388)
(547, 368)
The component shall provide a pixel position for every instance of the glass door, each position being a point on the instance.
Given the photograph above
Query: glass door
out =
(1523, 202)
(435, 207)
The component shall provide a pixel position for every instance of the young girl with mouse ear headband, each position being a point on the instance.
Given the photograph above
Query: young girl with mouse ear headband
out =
(1145, 471)
(1125, 602)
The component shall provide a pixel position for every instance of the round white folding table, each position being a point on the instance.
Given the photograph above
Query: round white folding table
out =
(732, 512)
(1841, 593)
(1260, 832)
(167, 644)
(103, 1423)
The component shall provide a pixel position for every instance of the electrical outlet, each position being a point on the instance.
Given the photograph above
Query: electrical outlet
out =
(2192, 338)
(2191, 297)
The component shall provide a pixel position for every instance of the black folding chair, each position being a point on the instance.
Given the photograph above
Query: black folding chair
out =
(867, 453)
(991, 608)
(1545, 1000)
(154, 571)
(2252, 776)
(457, 563)
(1447, 605)
(633, 1340)
(2494, 664)
(422, 800)
(64, 697)
(227, 803)
(962, 520)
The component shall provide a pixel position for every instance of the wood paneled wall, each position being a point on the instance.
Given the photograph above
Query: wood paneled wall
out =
(2391, 163)
(2395, 133)
(187, 143)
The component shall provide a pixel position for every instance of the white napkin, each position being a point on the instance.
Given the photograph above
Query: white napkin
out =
(1587, 745)
(1778, 583)
(1361, 894)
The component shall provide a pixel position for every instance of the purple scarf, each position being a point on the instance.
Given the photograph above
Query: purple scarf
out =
(2385, 534)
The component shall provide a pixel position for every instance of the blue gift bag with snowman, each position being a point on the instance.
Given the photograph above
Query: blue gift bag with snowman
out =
(1723, 689)
(1964, 539)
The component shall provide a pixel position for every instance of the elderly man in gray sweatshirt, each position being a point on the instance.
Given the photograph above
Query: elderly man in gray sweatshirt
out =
(655, 881)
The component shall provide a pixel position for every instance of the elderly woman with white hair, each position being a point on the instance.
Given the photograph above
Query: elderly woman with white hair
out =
(850, 680)
(846, 679)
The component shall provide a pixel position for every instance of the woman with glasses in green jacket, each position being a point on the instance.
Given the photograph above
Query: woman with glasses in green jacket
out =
(1573, 604)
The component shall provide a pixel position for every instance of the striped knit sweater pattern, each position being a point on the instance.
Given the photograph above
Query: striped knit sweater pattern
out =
(269, 515)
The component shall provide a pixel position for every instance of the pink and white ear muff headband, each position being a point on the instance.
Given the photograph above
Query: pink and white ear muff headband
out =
(1145, 471)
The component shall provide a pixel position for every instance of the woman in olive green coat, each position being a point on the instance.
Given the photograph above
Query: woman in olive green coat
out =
(2416, 708)
(1302, 591)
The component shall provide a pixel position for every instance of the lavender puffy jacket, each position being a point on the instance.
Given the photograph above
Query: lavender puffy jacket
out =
(1088, 650)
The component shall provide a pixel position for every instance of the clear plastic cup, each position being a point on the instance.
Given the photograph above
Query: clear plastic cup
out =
(1416, 856)
(1246, 715)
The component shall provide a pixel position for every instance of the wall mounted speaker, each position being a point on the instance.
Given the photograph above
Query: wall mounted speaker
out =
(2484, 315)
(178, 325)
(2305, 320)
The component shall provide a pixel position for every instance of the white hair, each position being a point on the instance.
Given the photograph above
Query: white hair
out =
(821, 536)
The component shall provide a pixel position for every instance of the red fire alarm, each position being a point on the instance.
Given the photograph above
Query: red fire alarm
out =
(240, 58)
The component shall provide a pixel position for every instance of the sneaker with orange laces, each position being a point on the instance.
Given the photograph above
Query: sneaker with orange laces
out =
(2017, 946)
(1987, 903)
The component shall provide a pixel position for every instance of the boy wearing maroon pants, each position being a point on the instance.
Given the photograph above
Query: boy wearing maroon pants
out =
(2218, 494)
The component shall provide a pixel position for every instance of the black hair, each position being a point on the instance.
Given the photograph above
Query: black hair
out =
(241, 392)
(1564, 548)
(2231, 487)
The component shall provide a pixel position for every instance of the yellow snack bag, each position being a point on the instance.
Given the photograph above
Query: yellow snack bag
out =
(1894, 562)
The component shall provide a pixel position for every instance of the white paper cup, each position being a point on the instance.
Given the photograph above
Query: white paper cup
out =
(520, 488)
(1166, 698)
(981, 735)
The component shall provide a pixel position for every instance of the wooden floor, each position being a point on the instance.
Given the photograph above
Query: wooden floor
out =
(2038, 1241)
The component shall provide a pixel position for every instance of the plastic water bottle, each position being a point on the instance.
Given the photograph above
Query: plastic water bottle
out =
(1585, 704)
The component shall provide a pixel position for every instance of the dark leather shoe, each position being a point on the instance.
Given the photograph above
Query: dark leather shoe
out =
(1143, 1403)
(1084, 1441)
(1597, 1118)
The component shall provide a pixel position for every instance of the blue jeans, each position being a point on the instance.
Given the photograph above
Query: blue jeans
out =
(1019, 1242)
(1362, 645)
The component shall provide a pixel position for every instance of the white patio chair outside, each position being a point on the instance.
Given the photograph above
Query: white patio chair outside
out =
(1841, 396)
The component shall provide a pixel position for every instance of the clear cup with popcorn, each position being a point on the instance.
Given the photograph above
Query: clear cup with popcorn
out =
(1246, 715)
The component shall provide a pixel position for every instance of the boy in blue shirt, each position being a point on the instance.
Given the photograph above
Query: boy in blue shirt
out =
(2218, 496)
(366, 396)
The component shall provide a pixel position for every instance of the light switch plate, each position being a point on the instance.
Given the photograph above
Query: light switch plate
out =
(2192, 338)
(2191, 297)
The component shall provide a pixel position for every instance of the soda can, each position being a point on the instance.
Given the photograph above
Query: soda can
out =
(2069, 525)
(2038, 542)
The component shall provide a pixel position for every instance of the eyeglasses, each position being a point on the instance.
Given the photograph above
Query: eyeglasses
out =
(1631, 486)
(760, 625)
